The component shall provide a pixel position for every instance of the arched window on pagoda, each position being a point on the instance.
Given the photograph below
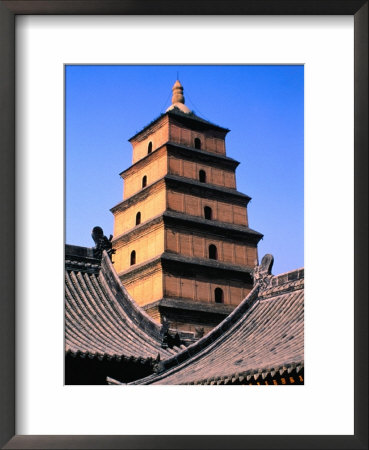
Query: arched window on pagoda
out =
(133, 257)
(218, 295)
(202, 176)
(149, 148)
(144, 181)
(138, 218)
(213, 252)
(208, 213)
(197, 143)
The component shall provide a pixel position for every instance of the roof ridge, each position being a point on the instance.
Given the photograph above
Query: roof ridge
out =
(205, 342)
(236, 322)
(139, 315)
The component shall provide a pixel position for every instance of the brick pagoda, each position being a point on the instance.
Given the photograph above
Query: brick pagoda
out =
(184, 250)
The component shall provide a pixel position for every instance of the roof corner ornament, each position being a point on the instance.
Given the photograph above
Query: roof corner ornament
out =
(167, 339)
(101, 242)
(164, 332)
(199, 332)
(262, 273)
(156, 363)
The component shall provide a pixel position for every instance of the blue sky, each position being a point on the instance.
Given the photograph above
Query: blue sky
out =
(263, 106)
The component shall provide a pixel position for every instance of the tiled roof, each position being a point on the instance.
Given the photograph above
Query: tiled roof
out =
(81, 259)
(102, 320)
(262, 336)
(178, 113)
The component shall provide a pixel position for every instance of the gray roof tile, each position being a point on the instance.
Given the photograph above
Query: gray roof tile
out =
(264, 335)
(102, 320)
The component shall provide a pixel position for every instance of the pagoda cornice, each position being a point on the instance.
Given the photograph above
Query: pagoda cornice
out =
(189, 185)
(225, 230)
(180, 303)
(138, 230)
(201, 264)
(195, 122)
(213, 191)
(149, 266)
(187, 118)
(138, 196)
(148, 159)
(183, 264)
(189, 153)
(192, 153)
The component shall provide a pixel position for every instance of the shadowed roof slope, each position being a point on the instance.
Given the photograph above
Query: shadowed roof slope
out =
(101, 318)
(263, 335)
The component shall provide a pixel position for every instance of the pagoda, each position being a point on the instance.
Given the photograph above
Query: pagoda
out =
(183, 247)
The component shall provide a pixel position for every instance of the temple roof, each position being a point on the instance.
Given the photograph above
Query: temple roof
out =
(262, 336)
(190, 117)
(101, 318)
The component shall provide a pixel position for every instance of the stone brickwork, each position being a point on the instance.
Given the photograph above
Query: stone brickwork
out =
(147, 245)
(194, 205)
(196, 244)
(203, 290)
(191, 169)
(158, 135)
(210, 141)
(146, 287)
(148, 206)
(154, 169)
(183, 248)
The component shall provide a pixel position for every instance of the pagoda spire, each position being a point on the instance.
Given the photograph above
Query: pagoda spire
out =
(177, 90)
(178, 100)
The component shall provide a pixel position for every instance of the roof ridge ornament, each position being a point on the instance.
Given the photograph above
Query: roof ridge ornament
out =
(262, 273)
(102, 243)
(167, 339)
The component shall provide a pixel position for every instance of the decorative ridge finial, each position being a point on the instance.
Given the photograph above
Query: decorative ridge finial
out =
(263, 273)
(102, 242)
(178, 99)
(177, 90)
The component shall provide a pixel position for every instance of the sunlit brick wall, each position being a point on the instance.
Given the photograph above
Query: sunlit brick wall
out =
(188, 169)
(193, 205)
(155, 169)
(158, 135)
(149, 207)
(197, 246)
(147, 245)
(147, 288)
(203, 291)
(210, 141)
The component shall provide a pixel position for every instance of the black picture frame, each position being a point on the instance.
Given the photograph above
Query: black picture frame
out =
(8, 12)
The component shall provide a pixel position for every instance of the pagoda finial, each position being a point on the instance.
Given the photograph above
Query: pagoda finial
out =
(177, 96)
(178, 99)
